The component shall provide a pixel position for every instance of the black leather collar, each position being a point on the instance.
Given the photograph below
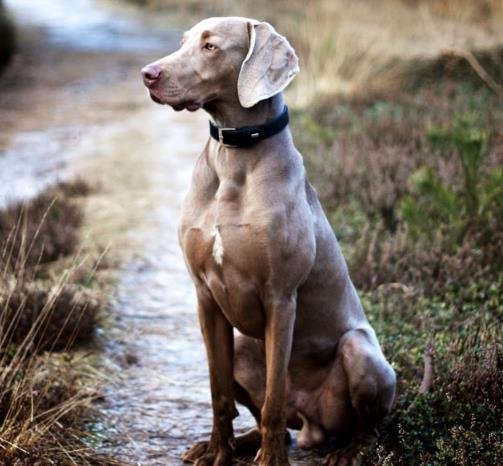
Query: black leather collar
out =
(246, 136)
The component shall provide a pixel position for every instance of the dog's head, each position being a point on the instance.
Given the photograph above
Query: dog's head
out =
(221, 58)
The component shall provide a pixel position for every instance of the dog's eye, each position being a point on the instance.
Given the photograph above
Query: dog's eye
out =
(209, 46)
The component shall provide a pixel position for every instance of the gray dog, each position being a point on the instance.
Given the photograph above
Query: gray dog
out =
(264, 259)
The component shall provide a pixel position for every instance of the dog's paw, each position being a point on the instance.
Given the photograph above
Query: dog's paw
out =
(202, 454)
(277, 457)
(195, 452)
(217, 458)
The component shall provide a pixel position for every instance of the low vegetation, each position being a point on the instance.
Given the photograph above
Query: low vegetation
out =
(412, 183)
(47, 317)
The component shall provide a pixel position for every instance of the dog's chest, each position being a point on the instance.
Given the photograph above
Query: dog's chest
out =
(244, 233)
(219, 226)
(230, 259)
(216, 244)
(226, 238)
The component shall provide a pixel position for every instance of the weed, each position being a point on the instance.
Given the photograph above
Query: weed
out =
(469, 208)
(45, 397)
(40, 230)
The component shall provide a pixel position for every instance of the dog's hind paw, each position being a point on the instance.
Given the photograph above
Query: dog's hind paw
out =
(345, 457)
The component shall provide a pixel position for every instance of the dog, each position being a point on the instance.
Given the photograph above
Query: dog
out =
(284, 329)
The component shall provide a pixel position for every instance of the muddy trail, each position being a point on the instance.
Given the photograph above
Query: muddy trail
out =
(71, 104)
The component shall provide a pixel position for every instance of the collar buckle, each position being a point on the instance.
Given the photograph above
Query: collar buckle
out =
(221, 136)
(247, 136)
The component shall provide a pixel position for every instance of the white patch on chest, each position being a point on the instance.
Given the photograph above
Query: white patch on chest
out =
(218, 246)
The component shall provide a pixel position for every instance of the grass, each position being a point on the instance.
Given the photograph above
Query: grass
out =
(40, 231)
(47, 322)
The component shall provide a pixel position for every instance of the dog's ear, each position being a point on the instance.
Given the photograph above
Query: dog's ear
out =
(269, 66)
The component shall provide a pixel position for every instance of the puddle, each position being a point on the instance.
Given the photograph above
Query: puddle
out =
(21, 177)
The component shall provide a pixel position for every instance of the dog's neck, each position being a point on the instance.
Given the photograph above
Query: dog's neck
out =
(230, 114)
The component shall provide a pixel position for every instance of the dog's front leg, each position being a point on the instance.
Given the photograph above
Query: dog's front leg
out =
(219, 341)
(280, 319)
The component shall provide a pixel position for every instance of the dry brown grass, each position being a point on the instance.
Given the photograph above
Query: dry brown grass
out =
(44, 402)
(41, 230)
(348, 45)
(45, 396)
(48, 320)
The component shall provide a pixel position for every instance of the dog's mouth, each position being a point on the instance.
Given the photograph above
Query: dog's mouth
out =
(156, 99)
(190, 105)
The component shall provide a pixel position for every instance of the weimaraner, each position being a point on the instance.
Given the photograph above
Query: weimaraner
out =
(264, 259)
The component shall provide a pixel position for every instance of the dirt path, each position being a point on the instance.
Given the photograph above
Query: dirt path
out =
(72, 104)
(159, 401)
(74, 78)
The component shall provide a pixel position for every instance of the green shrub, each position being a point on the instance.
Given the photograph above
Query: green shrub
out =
(458, 210)
(458, 421)
(470, 145)
(431, 206)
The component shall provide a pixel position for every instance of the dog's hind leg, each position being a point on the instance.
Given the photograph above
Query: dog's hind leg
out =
(247, 444)
(371, 383)
(249, 374)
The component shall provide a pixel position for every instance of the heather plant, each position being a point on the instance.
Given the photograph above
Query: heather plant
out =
(461, 209)
(39, 231)
(448, 218)
(454, 416)
(46, 388)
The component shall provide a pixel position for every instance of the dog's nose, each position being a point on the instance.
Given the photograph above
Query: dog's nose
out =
(151, 74)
